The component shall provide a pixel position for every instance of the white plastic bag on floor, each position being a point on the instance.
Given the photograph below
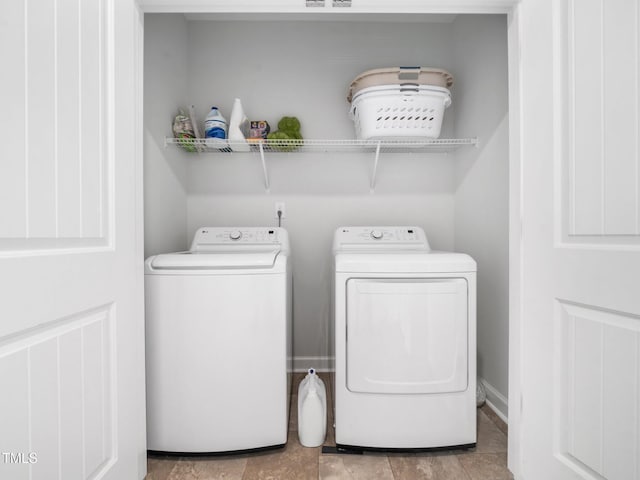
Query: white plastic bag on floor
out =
(481, 394)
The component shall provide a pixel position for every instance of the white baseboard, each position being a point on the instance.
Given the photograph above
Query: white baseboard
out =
(321, 364)
(496, 401)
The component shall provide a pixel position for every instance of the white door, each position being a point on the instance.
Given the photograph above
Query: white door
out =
(580, 280)
(71, 311)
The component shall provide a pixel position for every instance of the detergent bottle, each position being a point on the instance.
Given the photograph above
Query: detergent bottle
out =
(215, 127)
(312, 410)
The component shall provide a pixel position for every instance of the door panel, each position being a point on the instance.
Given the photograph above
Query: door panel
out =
(56, 185)
(71, 336)
(407, 335)
(600, 158)
(599, 385)
(68, 389)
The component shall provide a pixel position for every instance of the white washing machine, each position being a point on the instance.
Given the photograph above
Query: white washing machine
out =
(405, 341)
(218, 342)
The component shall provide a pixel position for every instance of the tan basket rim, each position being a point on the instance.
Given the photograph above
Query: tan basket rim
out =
(393, 89)
(447, 78)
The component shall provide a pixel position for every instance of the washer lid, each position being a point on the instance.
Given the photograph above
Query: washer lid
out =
(225, 249)
(213, 261)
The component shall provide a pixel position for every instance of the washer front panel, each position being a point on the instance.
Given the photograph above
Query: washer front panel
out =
(407, 336)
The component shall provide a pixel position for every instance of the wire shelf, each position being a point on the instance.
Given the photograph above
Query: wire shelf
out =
(271, 146)
(202, 145)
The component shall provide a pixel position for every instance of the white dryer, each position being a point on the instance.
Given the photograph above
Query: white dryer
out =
(218, 342)
(405, 341)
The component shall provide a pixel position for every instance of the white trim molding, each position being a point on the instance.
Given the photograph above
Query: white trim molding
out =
(293, 6)
(496, 401)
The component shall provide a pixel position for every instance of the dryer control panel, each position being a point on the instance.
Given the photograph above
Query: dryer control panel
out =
(207, 239)
(397, 238)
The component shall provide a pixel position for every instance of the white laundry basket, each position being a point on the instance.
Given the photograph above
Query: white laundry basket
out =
(399, 111)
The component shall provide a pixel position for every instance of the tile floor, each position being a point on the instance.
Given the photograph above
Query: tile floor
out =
(488, 461)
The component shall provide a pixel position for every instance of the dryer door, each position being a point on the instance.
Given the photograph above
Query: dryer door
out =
(407, 336)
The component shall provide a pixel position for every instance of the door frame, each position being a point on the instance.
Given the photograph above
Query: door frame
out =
(512, 9)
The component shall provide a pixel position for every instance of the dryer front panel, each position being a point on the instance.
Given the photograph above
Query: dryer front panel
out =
(407, 336)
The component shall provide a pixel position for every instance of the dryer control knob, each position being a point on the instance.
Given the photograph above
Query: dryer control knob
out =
(235, 235)
(376, 234)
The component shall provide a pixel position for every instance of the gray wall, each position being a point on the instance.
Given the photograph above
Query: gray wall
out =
(165, 169)
(482, 186)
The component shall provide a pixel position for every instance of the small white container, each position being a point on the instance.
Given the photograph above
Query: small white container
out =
(312, 410)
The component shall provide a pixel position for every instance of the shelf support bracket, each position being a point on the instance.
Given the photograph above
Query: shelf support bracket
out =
(265, 173)
(372, 186)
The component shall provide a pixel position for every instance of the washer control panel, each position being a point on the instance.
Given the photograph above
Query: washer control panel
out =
(212, 238)
(410, 237)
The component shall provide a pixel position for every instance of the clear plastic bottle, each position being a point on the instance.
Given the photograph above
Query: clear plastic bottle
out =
(215, 126)
(312, 410)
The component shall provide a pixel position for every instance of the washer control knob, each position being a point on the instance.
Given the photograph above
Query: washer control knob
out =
(235, 235)
(376, 234)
